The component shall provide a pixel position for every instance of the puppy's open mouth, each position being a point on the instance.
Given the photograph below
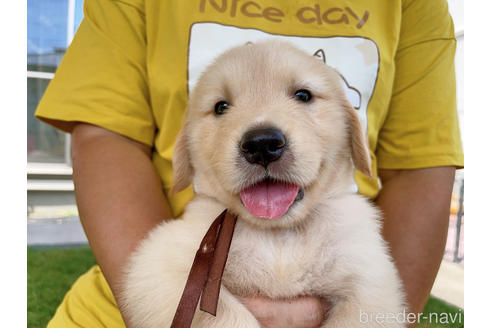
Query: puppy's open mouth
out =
(270, 199)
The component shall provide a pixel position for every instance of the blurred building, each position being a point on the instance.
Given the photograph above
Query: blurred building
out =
(51, 25)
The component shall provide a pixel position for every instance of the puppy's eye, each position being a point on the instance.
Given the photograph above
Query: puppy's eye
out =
(221, 107)
(303, 95)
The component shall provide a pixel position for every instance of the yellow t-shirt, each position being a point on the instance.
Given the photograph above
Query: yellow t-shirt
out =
(132, 63)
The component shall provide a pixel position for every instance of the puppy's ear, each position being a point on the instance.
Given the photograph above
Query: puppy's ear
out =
(358, 142)
(182, 169)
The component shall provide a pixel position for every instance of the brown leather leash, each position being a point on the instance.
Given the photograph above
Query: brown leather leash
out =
(206, 272)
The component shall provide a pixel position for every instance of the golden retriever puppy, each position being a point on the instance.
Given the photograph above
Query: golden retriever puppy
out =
(269, 135)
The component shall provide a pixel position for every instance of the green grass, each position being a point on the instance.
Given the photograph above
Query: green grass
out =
(443, 315)
(51, 272)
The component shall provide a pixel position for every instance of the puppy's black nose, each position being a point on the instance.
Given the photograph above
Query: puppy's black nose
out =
(262, 145)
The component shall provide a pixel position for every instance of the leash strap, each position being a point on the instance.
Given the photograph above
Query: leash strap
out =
(210, 295)
(206, 272)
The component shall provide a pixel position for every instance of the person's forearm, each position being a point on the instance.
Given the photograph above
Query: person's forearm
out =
(118, 194)
(415, 205)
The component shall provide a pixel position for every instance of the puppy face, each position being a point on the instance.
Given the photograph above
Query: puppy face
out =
(268, 132)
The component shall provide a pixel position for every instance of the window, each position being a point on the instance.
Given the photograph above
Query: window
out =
(51, 25)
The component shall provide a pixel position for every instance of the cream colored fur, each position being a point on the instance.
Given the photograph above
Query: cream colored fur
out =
(328, 244)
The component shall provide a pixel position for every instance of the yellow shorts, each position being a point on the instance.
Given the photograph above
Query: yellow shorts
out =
(88, 304)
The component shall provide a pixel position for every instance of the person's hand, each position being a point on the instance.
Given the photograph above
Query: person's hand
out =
(300, 312)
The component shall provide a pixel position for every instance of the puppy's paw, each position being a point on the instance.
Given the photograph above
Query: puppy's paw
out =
(348, 314)
(156, 275)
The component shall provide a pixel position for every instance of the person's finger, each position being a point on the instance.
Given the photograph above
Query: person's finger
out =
(299, 312)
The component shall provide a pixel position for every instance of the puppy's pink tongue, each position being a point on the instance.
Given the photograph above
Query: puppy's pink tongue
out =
(268, 199)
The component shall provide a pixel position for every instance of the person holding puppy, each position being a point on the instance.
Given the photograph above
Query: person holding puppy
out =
(122, 88)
